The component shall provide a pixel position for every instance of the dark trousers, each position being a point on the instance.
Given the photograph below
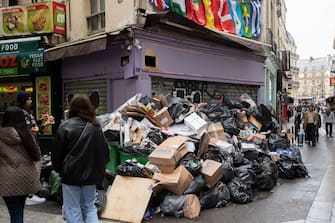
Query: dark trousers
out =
(15, 206)
(329, 129)
(310, 132)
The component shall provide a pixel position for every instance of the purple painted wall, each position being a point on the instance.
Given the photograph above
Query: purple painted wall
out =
(177, 59)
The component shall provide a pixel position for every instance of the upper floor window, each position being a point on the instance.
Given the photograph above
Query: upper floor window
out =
(96, 19)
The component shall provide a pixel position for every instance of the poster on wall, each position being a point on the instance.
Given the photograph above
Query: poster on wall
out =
(43, 100)
(13, 21)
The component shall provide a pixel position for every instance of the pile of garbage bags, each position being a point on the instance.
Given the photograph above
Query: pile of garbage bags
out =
(201, 156)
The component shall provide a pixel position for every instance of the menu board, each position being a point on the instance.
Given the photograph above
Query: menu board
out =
(43, 100)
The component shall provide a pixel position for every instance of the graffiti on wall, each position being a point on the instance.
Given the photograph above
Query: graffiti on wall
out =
(201, 91)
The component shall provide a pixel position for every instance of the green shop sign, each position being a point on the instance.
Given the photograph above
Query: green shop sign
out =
(22, 62)
(24, 44)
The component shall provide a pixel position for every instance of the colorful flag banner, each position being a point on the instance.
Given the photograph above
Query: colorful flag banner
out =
(178, 6)
(196, 11)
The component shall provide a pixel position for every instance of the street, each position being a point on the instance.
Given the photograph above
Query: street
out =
(290, 200)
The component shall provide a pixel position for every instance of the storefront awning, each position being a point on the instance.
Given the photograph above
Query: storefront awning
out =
(173, 19)
(77, 48)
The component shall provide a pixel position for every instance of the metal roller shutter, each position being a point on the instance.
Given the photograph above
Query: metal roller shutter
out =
(86, 87)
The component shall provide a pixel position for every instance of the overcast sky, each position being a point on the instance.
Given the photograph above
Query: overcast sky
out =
(312, 25)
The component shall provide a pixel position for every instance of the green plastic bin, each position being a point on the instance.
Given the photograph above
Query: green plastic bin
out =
(127, 156)
(114, 157)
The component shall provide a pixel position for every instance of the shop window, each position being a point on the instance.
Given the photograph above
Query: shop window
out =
(96, 19)
(150, 61)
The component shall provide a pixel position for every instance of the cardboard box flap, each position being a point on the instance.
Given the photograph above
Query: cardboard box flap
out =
(175, 142)
(210, 167)
(215, 130)
(203, 144)
(127, 199)
(177, 181)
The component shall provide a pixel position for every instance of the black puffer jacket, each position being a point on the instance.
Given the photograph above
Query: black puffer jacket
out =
(87, 162)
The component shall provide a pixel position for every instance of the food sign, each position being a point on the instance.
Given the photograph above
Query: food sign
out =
(13, 21)
(39, 18)
(48, 17)
(43, 99)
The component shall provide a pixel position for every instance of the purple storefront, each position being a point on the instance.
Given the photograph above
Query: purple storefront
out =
(161, 59)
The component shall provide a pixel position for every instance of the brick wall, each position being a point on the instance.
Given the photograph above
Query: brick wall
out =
(207, 91)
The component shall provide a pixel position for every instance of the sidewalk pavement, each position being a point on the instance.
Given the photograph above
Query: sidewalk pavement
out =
(33, 216)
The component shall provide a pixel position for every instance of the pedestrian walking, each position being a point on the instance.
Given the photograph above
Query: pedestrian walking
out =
(37, 126)
(310, 121)
(329, 118)
(19, 153)
(80, 154)
(318, 125)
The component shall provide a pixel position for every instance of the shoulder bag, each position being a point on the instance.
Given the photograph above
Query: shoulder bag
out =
(66, 164)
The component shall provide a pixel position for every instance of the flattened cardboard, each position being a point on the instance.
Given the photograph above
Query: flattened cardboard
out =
(168, 153)
(212, 171)
(203, 144)
(127, 199)
(216, 131)
(177, 181)
(163, 118)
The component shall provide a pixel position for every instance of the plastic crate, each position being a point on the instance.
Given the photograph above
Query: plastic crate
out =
(127, 156)
(114, 157)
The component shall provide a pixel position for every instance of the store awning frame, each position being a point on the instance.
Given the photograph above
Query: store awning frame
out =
(76, 48)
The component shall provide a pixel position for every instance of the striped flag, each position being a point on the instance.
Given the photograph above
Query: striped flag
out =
(161, 4)
(178, 6)
(255, 18)
(237, 17)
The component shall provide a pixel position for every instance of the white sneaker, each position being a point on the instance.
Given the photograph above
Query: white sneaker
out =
(35, 200)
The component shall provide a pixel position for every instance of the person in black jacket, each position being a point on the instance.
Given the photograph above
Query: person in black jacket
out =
(80, 154)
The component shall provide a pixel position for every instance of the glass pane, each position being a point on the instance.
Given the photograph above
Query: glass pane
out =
(103, 20)
(95, 23)
(94, 6)
(102, 5)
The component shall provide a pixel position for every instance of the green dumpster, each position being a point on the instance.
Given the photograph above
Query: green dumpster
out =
(127, 156)
(114, 157)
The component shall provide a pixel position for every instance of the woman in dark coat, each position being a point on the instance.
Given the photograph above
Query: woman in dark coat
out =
(80, 154)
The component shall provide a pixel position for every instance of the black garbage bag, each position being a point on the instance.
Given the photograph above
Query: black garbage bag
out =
(178, 106)
(228, 171)
(238, 159)
(241, 193)
(230, 125)
(217, 154)
(217, 197)
(135, 150)
(155, 135)
(100, 199)
(192, 163)
(246, 174)
(277, 142)
(266, 174)
(112, 135)
(173, 205)
(196, 186)
(130, 168)
(290, 164)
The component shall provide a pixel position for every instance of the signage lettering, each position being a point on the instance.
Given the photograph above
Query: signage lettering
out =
(8, 61)
(9, 47)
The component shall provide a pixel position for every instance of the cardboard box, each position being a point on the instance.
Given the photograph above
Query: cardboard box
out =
(167, 154)
(254, 122)
(212, 171)
(215, 130)
(196, 123)
(162, 118)
(127, 199)
(203, 144)
(177, 181)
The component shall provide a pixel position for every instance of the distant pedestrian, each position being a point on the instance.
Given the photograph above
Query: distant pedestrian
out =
(310, 121)
(19, 153)
(329, 118)
(80, 154)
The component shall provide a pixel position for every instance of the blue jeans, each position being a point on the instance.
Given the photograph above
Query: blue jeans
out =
(78, 202)
(15, 207)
